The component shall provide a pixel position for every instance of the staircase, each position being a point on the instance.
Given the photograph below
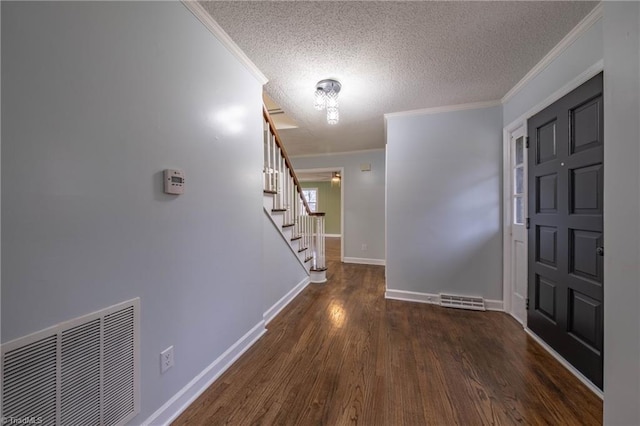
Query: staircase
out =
(287, 207)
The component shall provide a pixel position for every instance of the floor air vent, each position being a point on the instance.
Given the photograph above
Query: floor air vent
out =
(462, 302)
(81, 372)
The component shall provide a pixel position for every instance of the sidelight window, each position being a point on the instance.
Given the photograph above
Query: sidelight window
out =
(518, 181)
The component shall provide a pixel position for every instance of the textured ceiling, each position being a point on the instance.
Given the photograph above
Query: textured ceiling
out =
(389, 56)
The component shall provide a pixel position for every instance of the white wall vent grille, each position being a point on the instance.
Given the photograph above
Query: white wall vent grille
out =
(81, 372)
(462, 302)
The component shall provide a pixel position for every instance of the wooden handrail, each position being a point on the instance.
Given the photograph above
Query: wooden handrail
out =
(272, 128)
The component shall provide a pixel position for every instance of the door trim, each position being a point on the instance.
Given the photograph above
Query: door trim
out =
(507, 213)
(585, 76)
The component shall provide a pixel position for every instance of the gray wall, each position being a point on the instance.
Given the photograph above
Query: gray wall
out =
(577, 58)
(280, 270)
(99, 98)
(443, 203)
(363, 199)
(622, 213)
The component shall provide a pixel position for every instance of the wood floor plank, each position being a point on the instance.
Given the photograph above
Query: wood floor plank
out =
(340, 354)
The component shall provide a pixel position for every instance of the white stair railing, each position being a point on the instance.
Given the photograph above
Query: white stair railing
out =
(281, 181)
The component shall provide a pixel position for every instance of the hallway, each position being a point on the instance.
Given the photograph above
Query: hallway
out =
(341, 354)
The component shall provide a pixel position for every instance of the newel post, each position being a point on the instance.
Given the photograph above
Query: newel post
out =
(319, 265)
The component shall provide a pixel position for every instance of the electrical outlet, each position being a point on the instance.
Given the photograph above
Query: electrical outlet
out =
(364, 247)
(166, 359)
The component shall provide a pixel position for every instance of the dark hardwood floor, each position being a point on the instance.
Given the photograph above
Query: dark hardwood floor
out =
(341, 354)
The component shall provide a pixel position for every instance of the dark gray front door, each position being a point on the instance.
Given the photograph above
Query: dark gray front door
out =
(565, 282)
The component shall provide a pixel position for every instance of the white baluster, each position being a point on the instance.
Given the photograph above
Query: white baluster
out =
(278, 173)
(281, 179)
(310, 235)
(288, 199)
(289, 209)
(299, 216)
(292, 187)
(318, 241)
(271, 165)
(314, 238)
(272, 160)
(285, 173)
(292, 195)
(321, 238)
(304, 229)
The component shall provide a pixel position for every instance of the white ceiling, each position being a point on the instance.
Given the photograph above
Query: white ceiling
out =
(389, 56)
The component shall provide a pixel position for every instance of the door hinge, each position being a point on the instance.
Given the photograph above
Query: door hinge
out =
(526, 141)
(526, 302)
(528, 222)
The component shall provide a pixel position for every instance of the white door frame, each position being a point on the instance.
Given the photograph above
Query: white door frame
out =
(589, 73)
(519, 128)
(341, 170)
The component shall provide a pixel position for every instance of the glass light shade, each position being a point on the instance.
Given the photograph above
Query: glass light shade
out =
(332, 99)
(319, 100)
(332, 115)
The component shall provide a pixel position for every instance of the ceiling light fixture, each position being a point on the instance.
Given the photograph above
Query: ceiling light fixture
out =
(335, 178)
(326, 96)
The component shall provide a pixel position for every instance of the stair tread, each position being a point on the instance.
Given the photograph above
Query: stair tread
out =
(278, 210)
(268, 191)
(288, 225)
(296, 238)
(303, 249)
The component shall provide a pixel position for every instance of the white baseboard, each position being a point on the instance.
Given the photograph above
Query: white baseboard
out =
(364, 261)
(185, 397)
(566, 364)
(285, 300)
(434, 299)
(412, 296)
(333, 235)
(494, 305)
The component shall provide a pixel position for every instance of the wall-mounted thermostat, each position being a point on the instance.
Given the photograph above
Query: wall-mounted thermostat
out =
(173, 181)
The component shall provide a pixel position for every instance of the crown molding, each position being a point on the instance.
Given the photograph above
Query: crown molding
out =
(573, 35)
(445, 108)
(215, 29)
(578, 81)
